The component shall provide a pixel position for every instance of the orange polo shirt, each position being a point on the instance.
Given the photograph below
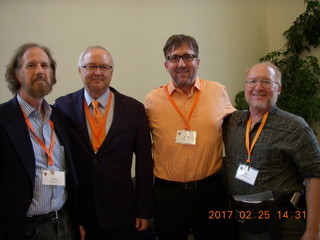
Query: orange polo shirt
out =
(180, 162)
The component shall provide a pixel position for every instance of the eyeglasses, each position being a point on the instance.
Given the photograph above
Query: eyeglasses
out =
(93, 68)
(185, 58)
(266, 83)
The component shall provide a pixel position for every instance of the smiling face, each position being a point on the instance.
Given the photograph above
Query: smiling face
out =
(34, 74)
(96, 80)
(183, 73)
(260, 97)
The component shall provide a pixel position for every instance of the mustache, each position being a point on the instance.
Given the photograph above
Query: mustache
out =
(39, 78)
(182, 69)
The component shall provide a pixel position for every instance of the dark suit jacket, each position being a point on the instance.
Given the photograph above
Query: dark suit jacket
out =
(105, 185)
(17, 166)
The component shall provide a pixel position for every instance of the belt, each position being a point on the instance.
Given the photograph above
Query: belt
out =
(51, 216)
(188, 185)
(277, 204)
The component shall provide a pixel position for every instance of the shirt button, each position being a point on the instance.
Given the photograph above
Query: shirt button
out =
(95, 160)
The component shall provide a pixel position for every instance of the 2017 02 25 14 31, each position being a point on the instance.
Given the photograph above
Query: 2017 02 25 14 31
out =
(257, 214)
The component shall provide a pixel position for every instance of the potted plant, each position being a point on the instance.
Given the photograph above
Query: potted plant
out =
(300, 71)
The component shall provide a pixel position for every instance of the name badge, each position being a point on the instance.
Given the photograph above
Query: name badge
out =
(56, 178)
(247, 174)
(186, 137)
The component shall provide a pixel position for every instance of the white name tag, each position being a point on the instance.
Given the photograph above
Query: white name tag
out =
(247, 174)
(53, 178)
(186, 137)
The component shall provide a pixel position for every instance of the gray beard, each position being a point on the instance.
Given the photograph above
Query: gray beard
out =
(262, 105)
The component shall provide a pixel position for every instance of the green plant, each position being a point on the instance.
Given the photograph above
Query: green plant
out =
(300, 72)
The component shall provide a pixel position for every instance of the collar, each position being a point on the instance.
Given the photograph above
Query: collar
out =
(246, 114)
(28, 109)
(103, 99)
(172, 88)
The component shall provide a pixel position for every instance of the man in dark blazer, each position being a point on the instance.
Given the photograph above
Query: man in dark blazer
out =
(112, 206)
(38, 183)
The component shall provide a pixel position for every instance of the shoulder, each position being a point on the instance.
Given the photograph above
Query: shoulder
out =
(235, 118)
(70, 101)
(3, 106)
(155, 97)
(10, 105)
(239, 116)
(69, 97)
(285, 118)
(290, 124)
(156, 91)
(215, 90)
(294, 129)
(212, 85)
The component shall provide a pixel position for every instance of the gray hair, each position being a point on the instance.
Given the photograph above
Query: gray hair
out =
(277, 71)
(89, 49)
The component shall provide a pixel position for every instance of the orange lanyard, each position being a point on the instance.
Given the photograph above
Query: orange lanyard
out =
(187, 118)
(249, 148)
(93, 129)
(49, 151)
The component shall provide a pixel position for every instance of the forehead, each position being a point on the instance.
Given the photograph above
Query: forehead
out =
(97, 55)
(184, 48)
(34, 54)
(261, 71)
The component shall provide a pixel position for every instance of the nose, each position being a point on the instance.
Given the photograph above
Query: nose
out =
(39, 69)
(259, 85)
(97, 71)
(181, 62)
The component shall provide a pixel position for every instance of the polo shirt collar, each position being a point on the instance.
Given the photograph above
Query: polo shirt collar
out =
(196, 85)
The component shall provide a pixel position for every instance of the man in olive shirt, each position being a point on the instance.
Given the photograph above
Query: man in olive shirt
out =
(273, 162)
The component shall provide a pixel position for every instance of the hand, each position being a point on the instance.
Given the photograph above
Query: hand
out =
(141, 224)
(310, 236)
(82, 232)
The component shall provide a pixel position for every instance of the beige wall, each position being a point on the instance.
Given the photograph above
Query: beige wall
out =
(232, 34)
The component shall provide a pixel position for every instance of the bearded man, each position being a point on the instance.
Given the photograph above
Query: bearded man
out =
(273, 165)
(38, 181)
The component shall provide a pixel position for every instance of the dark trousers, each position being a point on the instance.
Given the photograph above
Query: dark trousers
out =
(269, 220)
(179, 211)
(95, 232)
(58, 229)
(291, 229)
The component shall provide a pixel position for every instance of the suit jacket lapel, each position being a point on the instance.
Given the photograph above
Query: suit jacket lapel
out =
(119, 106)
(80, 115)
(19, 135)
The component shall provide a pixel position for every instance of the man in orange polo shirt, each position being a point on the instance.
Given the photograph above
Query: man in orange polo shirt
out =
(185, 120)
